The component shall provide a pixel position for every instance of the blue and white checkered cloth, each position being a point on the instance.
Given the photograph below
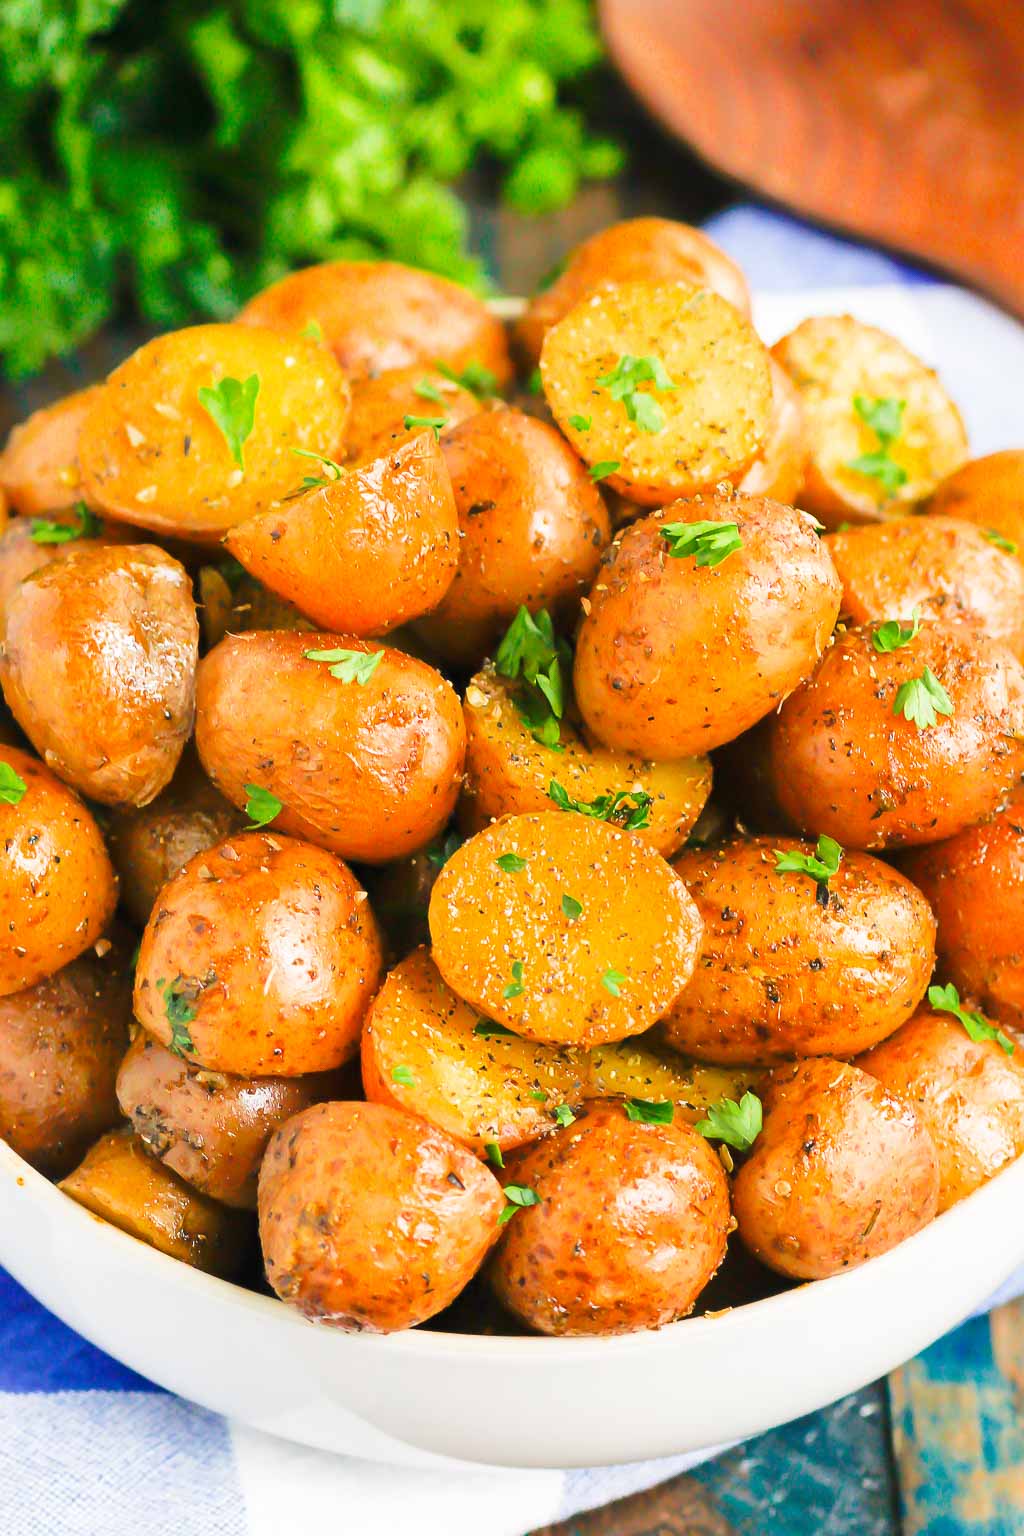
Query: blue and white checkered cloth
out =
(87, 1448)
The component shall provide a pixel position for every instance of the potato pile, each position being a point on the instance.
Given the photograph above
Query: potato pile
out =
(537, 809)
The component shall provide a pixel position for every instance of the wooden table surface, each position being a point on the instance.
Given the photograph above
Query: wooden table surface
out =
(938, 1450)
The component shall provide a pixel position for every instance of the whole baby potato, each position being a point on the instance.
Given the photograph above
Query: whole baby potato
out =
(789, 967)
(941, 567)
(366, 757)
(975, 883)
(62, 1042)
(563, 929)
(28, 543)
(98, 668)
(988, 492)
(260, 959)
(58, 889)
(845, 759)
(209, 1127)
(371, 1218)
(379, 315)
(39, 470)
(842, 1171)
(532, 527)
(676, 655)
(118, 1181)
(629, 1225)
(969, 1094)
(149, 844)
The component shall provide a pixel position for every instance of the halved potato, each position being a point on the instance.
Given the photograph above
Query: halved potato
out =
(508, 772)
(778, 470)
(646, 1068)
(659, 440)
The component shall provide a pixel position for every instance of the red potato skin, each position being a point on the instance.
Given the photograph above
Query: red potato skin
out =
(39, 471)
(842, 1171)
(210, 1128)
(532, 529)
(975, 884)
(988, 492)
(58, 889)
(780, 974)
(20, 554)
(380, 406)
(270, 943)
(379, 315)
(631, 1226)
(673, 658)
(969, 1093)
(370, 1218)
(371, 772)
(841, 762)
(98, 668)
(62, 1043)
(364, 553)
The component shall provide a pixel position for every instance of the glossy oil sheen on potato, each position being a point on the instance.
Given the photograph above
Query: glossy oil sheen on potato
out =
(504, 940)
(988, 492)
(782, 972)
(630, 1227)
(372, 1219)
(674, 658)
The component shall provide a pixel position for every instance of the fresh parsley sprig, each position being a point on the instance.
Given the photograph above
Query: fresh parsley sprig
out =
(348, 666)
(12, 786)
(820, 865)
(650, 1111)
(43, 530)
(532, 655)
(708, 543)
(947, 1000)
(623, 383)
(922, 699)
(737, 1124)
(892, 635)
(884, 416)
(626, 808)
(231, 405)
(517, 1196)
(261, 806)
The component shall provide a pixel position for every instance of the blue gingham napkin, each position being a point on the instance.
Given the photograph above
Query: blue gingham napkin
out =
(87, 1447)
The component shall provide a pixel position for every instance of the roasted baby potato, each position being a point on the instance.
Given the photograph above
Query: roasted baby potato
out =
(532, 527)
(27, 544)
(691, 637)
(153, 454)
(778, 470)
(369, 548)
(646, 1068)
(644, 250)
(39, 470)
(627, 1226)
(509, 772)
(372, 1219)
(150, 844)
(969, 1094)
(791, 966)
(880, 749)
(63, 1040)
(975, 883)
(379, 315)
(366, 757)
(98, 668)
(211, 1128)
(881, 430)
(426, 1051)
(988, 492)
(563, 929)
(663, 389)
(842, 1171)
(119, 1182)
(381, 404)
(941, 567)
(58, 889)
(260, 959)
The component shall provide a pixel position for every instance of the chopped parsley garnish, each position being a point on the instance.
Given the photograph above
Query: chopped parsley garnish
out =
(349, 666)
(1000, 540)
(312, 331)
(428, 391)
(571, 907)
(947, 1000)
(820, 865)
(738, 1125)
(581, 423)
(435, 423)
(517, 1196)
(884, 416)
(331, 472)
(231, 405)
(891, 635)
(612, 980)
(605, 468)
(922, 699)
(487, 1029)
(12, 785)
(564, 1116)
(179, 1006)
(480, 381)
(535, 383)
(531, 653)
(261, 806)
(708, 543)
(650, 1111)
(515, 986)
(403, 1075)
(627, 808)
(86, 526)
(494, 1154)
(623, 383)
(511, 863)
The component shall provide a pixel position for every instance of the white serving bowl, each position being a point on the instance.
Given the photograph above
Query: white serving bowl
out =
(427, 1398)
